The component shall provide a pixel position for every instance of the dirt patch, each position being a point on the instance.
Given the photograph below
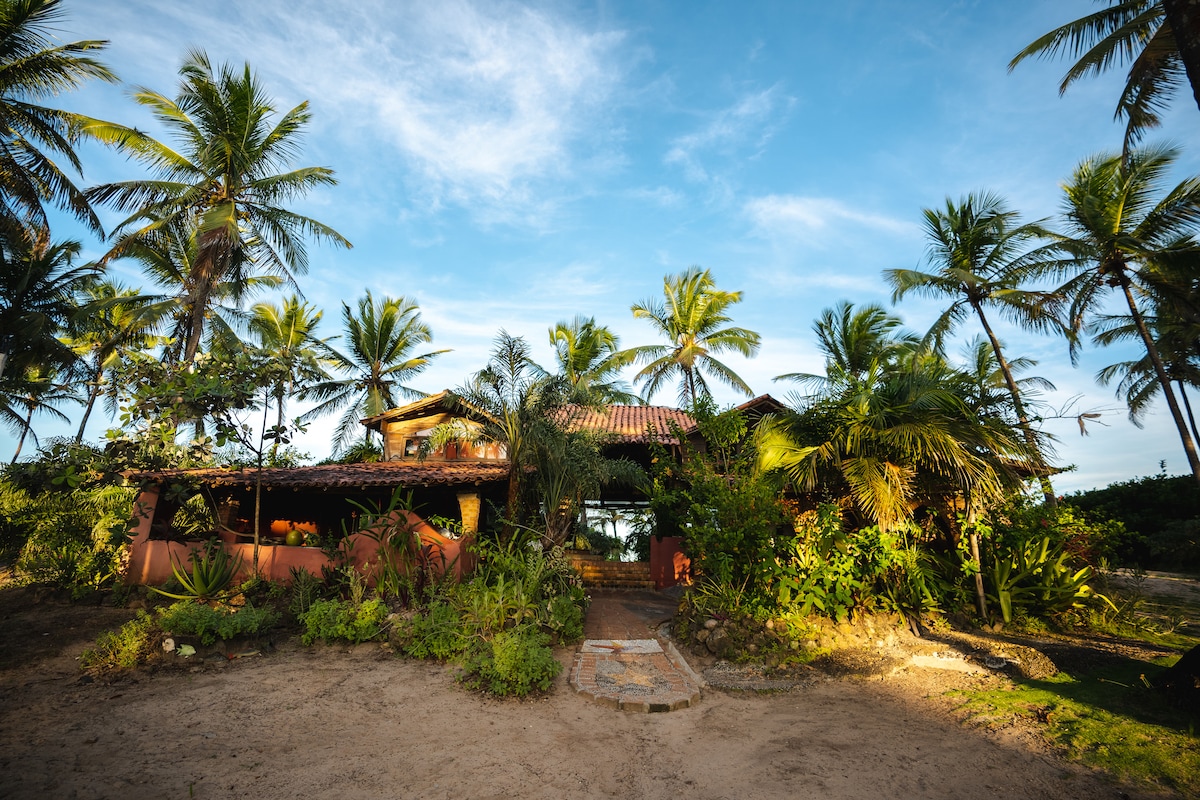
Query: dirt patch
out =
(360, 723)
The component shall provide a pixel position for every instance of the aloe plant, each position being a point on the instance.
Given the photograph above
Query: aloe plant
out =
(1037, 574)
(212, 572)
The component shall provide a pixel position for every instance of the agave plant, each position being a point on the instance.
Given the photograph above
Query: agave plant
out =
(212, 572)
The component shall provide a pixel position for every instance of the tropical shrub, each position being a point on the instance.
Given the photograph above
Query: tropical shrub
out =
(346, 620)
(134, 643)
(513, 662)
(437, 632)
(187, 618)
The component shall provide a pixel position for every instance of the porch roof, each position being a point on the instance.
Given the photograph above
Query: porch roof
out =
(343, 476)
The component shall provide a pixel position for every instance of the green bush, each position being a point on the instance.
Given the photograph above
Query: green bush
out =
(514, 662)
(331, 620)
(436, 633)
(565, 618)
(125, 648)
(189, 618)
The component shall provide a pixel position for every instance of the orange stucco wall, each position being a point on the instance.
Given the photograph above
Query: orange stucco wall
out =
(150, 560)
(668, 564)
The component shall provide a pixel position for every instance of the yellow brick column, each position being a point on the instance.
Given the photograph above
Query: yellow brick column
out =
(468, 507)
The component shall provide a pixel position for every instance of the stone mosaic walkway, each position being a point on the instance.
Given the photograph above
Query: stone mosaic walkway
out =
(623, 663)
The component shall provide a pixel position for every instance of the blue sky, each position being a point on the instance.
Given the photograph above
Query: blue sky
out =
(509, 165)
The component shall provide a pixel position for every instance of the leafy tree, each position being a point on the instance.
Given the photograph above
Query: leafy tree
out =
(1123, 232)
(39, 289)
(380, 338)
(1159, 39)
(35, 66)
(983, 259)
(692, 318)
(589, 357)
(221, 181)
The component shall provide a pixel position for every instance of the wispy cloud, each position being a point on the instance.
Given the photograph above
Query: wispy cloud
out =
(748, 123)
(793, 215)
(483, 103)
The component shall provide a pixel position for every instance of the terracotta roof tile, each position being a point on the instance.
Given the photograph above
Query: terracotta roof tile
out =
(632, 424)
(384, 473)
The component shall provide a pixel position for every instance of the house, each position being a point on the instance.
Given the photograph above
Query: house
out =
(459, 481)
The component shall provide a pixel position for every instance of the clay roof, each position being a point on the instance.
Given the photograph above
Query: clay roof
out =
(349, 476)
(631, 424)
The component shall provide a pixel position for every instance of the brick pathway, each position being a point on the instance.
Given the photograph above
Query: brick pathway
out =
(623, 663)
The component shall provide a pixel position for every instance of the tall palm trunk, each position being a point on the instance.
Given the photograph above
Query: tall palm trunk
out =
(1022, 418)
(24, 431)
(1160, 370)
(93, 394)
(1187, 406)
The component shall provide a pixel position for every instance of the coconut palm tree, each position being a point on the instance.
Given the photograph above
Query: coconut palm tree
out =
(516, 398)
(114, 327)
(167, 258)
(221, 181)
(1158, 39)
(589, 357)
(982, 258)
(287, 332)
(34, 67)
(38, 391)
(40, 286)
(890, 435)
(855, 342)
(692, 318)
(1123, 231)
(377, 357)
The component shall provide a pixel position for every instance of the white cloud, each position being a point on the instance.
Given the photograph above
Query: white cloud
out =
(796, 216)
(751, 121)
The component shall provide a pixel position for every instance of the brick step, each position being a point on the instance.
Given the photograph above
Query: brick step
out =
(618, 584)
(601, 574)
(642, 572)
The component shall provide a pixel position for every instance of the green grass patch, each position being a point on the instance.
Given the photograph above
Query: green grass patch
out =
(1110, 719)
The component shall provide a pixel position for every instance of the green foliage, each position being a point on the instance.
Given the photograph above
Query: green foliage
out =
(565, 618)
(1159, 515)
(514, 662)
(210, 623)
(827, 569)
(438, 632)
(305, 589)
(212, 572)
(331, 620)
(125, 648)
(71, 539)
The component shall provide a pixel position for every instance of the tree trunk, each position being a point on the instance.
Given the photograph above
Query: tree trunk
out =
(1189, 446)
(1022, 418)
(1184, 18)
(93, 393)
(1188, 407)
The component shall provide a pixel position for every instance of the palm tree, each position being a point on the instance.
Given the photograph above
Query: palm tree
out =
(380, 337)
(287, 333)
(590, 359)
(855, 342)
(222, 182)
(34, 67)
(981, 259)
(692, 318)
(38, 391)
(1141, 33)
(890, 431)
(167, 258)
(39, 289)
(516, 398)
(1123, 233)
(113, 327)
(985, 386)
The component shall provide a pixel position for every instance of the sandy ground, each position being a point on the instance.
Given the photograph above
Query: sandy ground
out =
(360, 723)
